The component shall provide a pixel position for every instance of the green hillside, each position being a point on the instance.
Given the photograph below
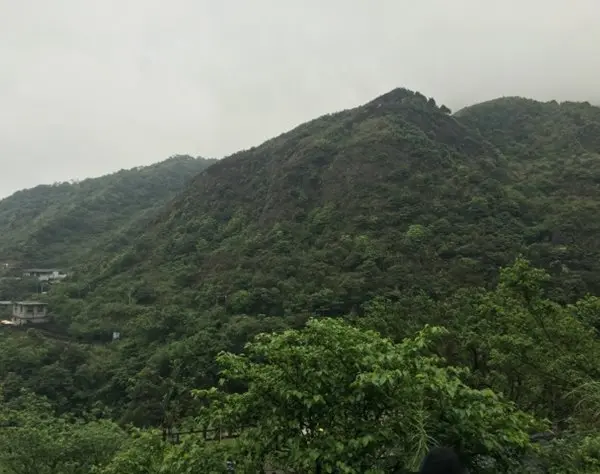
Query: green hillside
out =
(392, 197)
(554, 154)
(466, 241)
(388, 197)
(58, 225)
(528, 128)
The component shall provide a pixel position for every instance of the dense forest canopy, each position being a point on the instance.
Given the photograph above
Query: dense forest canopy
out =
(58, 224)
(404, 276)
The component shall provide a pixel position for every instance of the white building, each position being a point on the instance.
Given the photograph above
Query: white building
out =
(45, 274)
(29, 312)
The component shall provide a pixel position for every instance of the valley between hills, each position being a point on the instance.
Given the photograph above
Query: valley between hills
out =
(351, 292)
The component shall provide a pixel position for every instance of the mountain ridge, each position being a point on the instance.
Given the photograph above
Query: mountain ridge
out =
(372, 172)
(387, 176)
(37, 218)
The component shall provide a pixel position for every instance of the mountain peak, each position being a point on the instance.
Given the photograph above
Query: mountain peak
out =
(367, 173)
(402, 97)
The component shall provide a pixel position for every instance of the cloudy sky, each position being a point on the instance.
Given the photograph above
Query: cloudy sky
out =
(91, 86)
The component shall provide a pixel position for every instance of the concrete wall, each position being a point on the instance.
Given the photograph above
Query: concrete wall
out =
(30, 313)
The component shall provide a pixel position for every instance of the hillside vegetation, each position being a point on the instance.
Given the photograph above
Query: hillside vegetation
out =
(57, 225)
(407, 277)
(392, 197)
(554, 152)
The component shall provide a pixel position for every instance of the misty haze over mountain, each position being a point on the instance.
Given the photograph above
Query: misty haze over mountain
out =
(90, 87)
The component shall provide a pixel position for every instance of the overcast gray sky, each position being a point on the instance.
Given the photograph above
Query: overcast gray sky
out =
(91, 86)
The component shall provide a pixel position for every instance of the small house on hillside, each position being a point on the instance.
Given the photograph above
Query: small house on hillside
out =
(45, 274)
(25, 312)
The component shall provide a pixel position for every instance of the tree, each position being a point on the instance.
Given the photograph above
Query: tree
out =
(33, 441)
(356, 400)
(143, 453)
(522, 344)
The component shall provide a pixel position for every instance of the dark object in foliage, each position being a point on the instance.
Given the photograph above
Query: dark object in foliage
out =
(442, 461)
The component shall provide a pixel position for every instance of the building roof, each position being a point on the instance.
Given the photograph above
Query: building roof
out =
(32, 303)
(41, 270)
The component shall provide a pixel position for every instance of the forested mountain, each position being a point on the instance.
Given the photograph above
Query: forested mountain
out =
(57, 225)
(554, 155)
(390, 196)
(466, 241)
(394, 196)
(528, 128)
